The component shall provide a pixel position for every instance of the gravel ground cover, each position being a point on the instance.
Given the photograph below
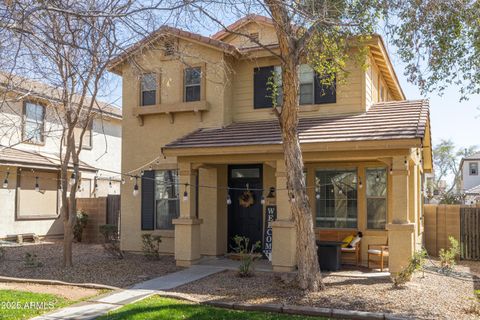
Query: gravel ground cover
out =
(91, 265)
(427, 296)
(66, 292)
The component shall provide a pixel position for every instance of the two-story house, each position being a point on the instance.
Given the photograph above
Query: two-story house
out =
(199, 130)
(470, 179)
(30, 144)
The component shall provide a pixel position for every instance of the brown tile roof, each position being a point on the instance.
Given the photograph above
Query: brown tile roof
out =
(20, 158)
(167, 30)
(383, 121)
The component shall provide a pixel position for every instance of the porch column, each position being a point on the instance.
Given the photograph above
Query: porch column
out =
(187, 226)
(400, 229)
(283, 229)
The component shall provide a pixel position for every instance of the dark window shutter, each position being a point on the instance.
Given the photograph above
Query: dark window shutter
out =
(324, 94)
(261, 96)
(148, 200)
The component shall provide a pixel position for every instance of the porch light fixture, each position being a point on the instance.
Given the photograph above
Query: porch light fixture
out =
(271, 193)
(37, 186)
(72, 179)
(185, 193)
(135, 187)
(5, 182)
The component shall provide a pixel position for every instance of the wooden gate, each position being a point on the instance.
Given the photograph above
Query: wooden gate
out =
(113, 209)
(470, 233)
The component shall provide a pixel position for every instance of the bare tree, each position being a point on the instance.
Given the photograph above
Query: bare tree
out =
(68, 45)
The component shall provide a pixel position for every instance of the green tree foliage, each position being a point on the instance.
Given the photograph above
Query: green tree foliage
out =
(439, 41)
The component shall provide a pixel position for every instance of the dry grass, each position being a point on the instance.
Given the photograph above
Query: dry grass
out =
(91, 265)
(432, 296)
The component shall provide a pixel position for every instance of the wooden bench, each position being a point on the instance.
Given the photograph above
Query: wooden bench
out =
(349, 256)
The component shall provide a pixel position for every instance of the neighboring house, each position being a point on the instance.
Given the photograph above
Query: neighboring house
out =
(470, 179)
(200, 105)
(30, 143)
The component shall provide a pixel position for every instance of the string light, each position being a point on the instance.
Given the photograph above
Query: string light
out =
(5, 182)
(391, 170)
(110, 183)
(292, 199)
(317, 195)
(377, 178)
(135, 187)
(262, 201)
(229, 200)
(360, 184)
(123, 180)
(37, 186)
(72, 179)
(185, 193)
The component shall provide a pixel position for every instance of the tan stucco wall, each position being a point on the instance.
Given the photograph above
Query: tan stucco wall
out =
(10, 225)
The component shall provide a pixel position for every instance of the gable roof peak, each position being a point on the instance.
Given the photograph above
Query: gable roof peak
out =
(240, 23)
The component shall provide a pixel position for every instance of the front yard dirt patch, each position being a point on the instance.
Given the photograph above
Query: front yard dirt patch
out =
(91, 265)
(428, 296)
(67, 292)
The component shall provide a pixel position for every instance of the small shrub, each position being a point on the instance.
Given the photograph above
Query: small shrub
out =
(247, 255)
(31, 260)
(111, 242)
(151, 246)
(416, 263)
(448, 257)
(80, 224)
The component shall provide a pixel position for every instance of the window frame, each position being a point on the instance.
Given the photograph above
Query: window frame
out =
(90, 140)
(470, 167)
(24, 122)
(376, 197)
(18, 216)
(339, 169)
(157, 89)
(307, 83)
(177, 198)
(200, 84)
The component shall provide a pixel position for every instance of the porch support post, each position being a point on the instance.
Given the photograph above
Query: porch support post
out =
(401, 240)
(187, 226)
(284, 235)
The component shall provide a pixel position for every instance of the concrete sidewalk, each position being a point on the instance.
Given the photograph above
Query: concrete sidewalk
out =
(101, 305)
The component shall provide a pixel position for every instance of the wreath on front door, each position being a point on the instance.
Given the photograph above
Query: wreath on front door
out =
(246, 199)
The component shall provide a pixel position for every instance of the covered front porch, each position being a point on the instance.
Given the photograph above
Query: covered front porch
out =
(369, 187)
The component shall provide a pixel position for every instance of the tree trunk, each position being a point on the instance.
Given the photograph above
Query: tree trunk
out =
(309, 276)
(67, 244)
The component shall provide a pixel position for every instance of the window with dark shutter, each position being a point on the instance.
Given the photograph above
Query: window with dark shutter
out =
(325, 94)
(148, 200)
(261, 95)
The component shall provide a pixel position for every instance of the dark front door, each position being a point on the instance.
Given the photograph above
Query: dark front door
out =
(245, 217)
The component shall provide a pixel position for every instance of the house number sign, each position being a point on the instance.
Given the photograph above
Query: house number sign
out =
(270, 217)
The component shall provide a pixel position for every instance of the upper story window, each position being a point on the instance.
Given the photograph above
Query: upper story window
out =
(192, 81)
(473, 168)
(34, 123)
(148, 89)
(311, 90)
(87, 136)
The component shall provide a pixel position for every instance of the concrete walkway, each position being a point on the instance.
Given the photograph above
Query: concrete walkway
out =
(99, 306)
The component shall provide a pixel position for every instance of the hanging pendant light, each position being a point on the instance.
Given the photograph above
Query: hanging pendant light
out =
(72, 179)
(37, 186)
(229, 200)
(135, 187)
(185, 193)
(262, 200)
(5, 182)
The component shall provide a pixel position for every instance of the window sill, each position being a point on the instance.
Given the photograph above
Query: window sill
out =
(197, 107)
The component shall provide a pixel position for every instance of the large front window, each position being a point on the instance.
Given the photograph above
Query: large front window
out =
(376, 198)
(166, 198)
(336, 198)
